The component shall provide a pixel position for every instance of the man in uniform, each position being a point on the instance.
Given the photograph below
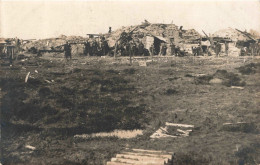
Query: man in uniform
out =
(10, 52)
(133, 48)
(218, 49)
(226, 47)
(172, 47)
(86, 48)
(94, 48)
(141, 49)
(151, 49)
(163, 49)
(127, 49)
(67, 50)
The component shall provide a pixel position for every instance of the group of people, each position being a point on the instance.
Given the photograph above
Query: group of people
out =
(91, 48)
(216, 47)
(253, 49)
(132, 48)
(96, 48)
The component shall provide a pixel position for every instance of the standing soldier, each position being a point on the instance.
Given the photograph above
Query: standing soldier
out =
(94, 48)
(151, 49)
(67, 50)
(86, 48)
(133, 48)
(218, 49)
(178, 51)
(10, 52)
(163, 49)
(172, 47)
(127, 49)
(226, 47)
(141, 49)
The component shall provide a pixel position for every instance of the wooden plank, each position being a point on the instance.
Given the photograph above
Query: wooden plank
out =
(141, 158)
(149, 154)
(118, 163)
(179, 125)
(132, 161)
(148, 151)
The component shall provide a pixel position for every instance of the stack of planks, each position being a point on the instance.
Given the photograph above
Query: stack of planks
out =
(142, 157)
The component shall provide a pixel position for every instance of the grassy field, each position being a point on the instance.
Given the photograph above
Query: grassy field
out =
(89, 95)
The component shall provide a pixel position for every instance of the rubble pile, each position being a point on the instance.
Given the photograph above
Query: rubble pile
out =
(191, 34)
(230, 33)
(53, 43)
(166, 31)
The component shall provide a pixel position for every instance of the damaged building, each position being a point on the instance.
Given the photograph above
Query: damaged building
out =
(156, 34)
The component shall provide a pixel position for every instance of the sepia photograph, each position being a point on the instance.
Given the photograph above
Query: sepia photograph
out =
(128, 82)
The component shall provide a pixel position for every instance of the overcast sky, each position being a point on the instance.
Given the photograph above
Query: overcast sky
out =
(43, 19)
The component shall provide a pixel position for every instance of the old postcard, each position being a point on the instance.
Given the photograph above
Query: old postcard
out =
(125, 82)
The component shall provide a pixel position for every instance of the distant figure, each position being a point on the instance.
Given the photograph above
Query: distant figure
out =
(172, 47)
(104, 47)
(127, 49)
(226, 47)
(133, 48)
(67, 50)
(141, 49)
(218, 49)
(199, 50)
(163, 49)
(110, 30)
(10, 53)
(94, 48)
(17, 45)
(86, 48)
(178, 51)
(151, 49)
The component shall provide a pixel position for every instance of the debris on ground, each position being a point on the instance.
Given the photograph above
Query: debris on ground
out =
(27, 76)
(142, 157)
(237, 87)
(30, 147)
(172, 130)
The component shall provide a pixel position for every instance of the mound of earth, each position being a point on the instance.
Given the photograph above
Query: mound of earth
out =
(221, 77)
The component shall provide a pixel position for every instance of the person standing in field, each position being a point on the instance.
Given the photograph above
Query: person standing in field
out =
(218, 49)
(67, 51)
(151, 49)
(86, 48)
(226, 47)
